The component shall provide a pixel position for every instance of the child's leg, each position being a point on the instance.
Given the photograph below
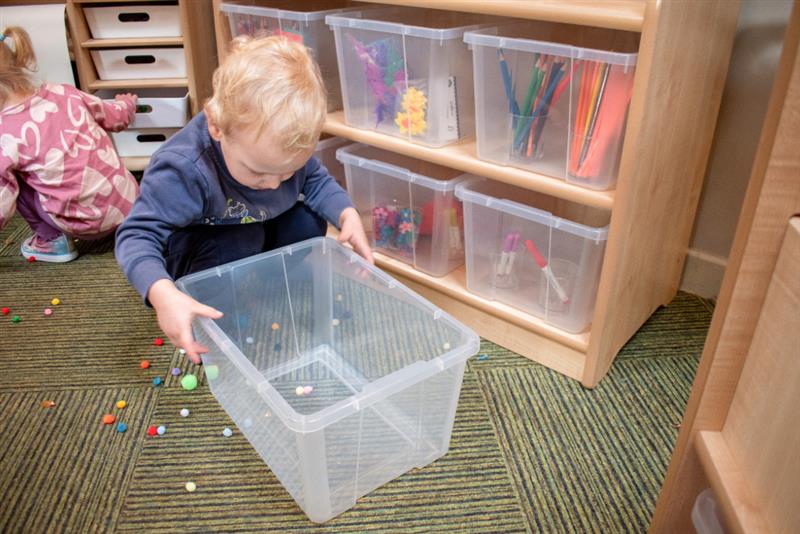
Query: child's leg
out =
(30, 209)
(297, 224)
(48, 243)
(201, 247)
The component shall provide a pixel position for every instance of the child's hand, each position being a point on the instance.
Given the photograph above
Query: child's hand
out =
(175, 311)
(124, 96)
(352, 231)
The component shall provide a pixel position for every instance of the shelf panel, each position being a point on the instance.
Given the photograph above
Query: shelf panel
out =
(615, 14)
(136, 163)
(741, 512)
(462, 156)
(133, 41)
(156, 83)
(114, 1)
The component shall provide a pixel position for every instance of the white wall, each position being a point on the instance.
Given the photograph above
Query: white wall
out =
(756, 50)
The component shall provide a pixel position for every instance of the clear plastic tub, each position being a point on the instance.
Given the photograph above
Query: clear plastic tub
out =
(381, 368)
(537, 253)
(326, 152)
(408, 207)
(406, 72)
(300, 21)
(551, 108)
(706, 515)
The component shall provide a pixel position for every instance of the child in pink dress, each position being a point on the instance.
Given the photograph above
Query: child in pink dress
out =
(58, 167)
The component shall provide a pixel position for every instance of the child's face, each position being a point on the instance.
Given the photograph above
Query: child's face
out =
(254, 161)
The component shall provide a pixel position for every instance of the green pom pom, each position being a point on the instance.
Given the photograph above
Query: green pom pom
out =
(189, 382)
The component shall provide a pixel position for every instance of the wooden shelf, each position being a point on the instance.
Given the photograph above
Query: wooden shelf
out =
(137, 163)
(114, 1)
(138, 84)
(129, 42)
(462, 156)
(729, 484)
(616, 14)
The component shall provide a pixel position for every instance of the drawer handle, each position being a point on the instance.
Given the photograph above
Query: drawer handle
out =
(151, 138)
(139, 60)
(144, 108)
(133, 17)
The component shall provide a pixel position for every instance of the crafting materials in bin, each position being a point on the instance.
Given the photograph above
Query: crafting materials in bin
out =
(408, 207)
(303, 22)
(344, 409)
(551, 108)
(406, 72)
(534, 252)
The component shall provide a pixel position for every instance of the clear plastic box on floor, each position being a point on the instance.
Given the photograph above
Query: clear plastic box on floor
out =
(551, 108)
(407, 72)
(535, 252)
(706, 514)
(340, 377)
(408, 207)
(300, 21)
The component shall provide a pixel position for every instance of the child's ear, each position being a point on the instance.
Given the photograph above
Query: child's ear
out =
(214, 130)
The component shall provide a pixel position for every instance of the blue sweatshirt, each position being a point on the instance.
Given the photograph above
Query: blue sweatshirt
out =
(187, 183)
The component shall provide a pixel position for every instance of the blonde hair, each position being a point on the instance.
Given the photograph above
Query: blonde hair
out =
(17, 61)
(271, 83)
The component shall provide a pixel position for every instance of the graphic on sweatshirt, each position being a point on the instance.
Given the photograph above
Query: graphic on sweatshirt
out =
(235, 209)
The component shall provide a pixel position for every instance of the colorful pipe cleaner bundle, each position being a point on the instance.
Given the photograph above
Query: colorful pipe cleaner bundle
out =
(384, 70)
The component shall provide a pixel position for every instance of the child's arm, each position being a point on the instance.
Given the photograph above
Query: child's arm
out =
(172, 197)
(112, 116)
(9, 190)
(325, 197)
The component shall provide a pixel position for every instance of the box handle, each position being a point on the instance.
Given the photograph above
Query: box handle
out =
(144, 108)
(133, 17)
(151, 138)
(139, 60)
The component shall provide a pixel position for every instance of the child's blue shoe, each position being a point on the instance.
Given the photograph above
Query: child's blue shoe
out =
(59, 250)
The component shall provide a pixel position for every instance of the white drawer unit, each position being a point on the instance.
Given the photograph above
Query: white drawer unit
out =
(138, 143)
(119, 22)
(156, 108)
(139, 63)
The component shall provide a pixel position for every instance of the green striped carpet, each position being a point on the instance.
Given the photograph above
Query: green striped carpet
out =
(531, 450)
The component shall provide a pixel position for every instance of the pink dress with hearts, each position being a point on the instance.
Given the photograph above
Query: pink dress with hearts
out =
(55, 147)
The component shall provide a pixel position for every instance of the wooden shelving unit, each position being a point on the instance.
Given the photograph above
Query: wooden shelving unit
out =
(626, 15)
(136, 163)
(138, 84)
(680, 74)
(197, 40)
(739, 435)
(122, 43)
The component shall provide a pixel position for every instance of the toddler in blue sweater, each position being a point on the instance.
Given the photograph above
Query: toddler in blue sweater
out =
(238, 180)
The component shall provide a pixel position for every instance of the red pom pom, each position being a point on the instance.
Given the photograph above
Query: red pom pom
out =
(31, 259)
(145, 364)
(158, 342)
(6, 311)
(152, 430)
